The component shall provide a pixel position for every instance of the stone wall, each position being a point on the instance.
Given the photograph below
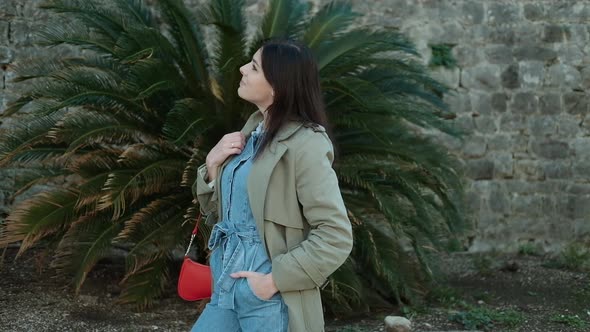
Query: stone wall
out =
(520, 88)
(521, 91)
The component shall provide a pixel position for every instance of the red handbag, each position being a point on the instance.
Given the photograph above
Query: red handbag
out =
(195, 281)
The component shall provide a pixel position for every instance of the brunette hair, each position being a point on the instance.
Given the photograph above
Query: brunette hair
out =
(291, 69)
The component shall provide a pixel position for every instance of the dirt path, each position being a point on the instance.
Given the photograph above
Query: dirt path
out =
(31, 301)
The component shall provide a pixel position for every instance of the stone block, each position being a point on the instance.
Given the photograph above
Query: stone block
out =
(449, 142)
(542, 126)
(585, 125)
(498, 102)
(551, 149)
(495, 34)
(563, 76)
(8, 8)
(528, 170)
(458, 102)
(581, 169)
(534, 53)
(500, 142)
(531, 74)
(448, 33)
(579, 33)
(559, 232)
(481, 103)
(503, 13)
(571, 54)
(472, 12)
(510, 79)
(473, 200)
(520, 186)
(582, 228)
(503, 164)
(568, 125)
(559, 10)
(499, 200)
(482, 77)
(30, 9)
(4, 29)
(510, 122)
(467, 55)
(557, 170)
(524, 103)
(586, 78)
(475, 147)
(448, 76)
(525, 33)
(486, 124)
(526, 205)
(555, 34)
(576, 102)
(534, 11)
(582, 207)
(6, 55)
(564, 205)
(548, 205)
(581, 147)
(464, 124)
(21, 32)
(499, 54)
(550, 103)
(480, 169)
(579, 189)
(551, 187)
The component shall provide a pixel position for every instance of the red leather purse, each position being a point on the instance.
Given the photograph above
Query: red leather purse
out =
(195, 281)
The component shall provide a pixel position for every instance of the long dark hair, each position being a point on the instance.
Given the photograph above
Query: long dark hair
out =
(291, 69)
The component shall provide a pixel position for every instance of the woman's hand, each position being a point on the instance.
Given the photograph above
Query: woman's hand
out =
(232, 143)
(262, 285)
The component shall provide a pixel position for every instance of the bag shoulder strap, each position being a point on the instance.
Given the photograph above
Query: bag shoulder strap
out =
(194, 233)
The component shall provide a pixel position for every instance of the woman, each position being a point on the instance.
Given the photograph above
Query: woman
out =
(282, 227)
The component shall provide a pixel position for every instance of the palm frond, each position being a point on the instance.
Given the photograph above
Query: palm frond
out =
(145, 171)
(333, 18)
(283, 18)
(146, 281)
(44, 214)
(87, 241)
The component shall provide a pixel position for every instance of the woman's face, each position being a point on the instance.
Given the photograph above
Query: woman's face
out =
(254, 87)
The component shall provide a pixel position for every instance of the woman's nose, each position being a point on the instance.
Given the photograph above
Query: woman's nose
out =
(242, 70)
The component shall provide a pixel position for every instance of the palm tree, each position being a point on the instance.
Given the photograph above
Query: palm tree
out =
(115, 136)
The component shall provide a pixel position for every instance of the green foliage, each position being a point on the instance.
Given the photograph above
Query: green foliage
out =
(484, 318)
(444, 295)
(528, 249)
(442, 56)
(483, 263)
(569, 320)
(128, 122)
(575, 257)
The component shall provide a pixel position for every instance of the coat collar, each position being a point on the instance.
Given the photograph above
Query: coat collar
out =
(288, 129)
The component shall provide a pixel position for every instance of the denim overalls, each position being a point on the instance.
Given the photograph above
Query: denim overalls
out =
(236, 246)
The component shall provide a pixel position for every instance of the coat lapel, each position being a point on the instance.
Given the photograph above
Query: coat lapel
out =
(259, 178)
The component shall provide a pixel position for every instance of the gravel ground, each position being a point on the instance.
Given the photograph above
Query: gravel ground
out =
(32, 300)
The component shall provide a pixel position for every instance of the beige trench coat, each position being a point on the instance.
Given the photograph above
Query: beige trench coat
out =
(299, 212)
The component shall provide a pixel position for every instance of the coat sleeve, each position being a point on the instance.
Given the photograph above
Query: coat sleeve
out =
(206, 195)
(329, 242)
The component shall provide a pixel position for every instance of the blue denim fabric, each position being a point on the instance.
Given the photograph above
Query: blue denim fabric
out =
(236, 246)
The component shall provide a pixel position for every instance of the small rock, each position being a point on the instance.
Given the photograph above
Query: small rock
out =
(510, 267)
(397, 324)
